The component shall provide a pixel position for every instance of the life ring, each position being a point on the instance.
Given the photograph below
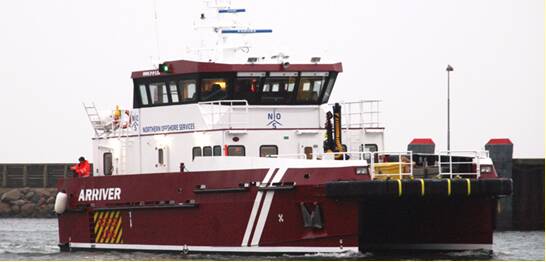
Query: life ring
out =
(129, 121)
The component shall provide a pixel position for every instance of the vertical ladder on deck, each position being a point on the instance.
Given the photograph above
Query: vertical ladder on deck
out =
(124, 143)
(94, 118)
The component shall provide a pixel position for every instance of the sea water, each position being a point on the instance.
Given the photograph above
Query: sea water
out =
(36, 239)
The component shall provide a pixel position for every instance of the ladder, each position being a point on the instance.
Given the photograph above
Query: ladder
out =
(94, 118)
(124, 143)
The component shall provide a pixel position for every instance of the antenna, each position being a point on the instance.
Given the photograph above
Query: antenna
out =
(156, 31)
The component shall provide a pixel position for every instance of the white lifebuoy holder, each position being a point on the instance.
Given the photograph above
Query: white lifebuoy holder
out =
(60, 203)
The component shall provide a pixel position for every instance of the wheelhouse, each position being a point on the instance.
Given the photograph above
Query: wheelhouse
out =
(185, 82)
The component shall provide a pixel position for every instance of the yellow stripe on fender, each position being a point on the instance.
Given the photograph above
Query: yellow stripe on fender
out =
(449, 187)
(399, 187)
(422, 186)
(468, 187)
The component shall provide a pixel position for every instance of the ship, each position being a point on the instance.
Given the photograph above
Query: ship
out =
(253, 157)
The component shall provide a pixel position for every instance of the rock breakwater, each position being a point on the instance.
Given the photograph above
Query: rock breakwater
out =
(27, 202)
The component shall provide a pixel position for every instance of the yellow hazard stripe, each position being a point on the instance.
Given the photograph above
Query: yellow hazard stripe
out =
(468, 187)
(399, 187)
(116, 230)
(119, 236)
(422, 186)
(108, 230)
(103, 226)
(98, 220)
(449, 187)
(100, 224)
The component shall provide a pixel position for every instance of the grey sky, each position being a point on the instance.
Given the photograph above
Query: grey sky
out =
(57, 54)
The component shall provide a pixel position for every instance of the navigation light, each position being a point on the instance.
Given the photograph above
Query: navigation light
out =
(165, 68)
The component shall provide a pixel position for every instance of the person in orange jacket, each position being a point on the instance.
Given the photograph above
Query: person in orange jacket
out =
(81, 169)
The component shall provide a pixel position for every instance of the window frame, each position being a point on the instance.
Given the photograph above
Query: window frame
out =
(207, 148)
(193, 155)
(270, 145)
(233, 146)
(219, 148)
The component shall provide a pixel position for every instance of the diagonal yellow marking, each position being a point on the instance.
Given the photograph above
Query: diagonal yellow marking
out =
(111, 227)
(101, 227)
(116, 231)
(95, 217)
(98, 221)
(119, 236)
(108, 223)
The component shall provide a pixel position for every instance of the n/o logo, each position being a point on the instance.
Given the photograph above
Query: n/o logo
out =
(273, 118)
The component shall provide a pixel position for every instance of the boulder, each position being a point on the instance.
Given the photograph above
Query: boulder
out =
(4, 208)
(35, 198)
(27, 209)
(29, 195)
(11, 195)
(43, 211)
(15, 209)
(43, 192)
(41, 202)
(19, 202)
(51, 200)
(24, 190)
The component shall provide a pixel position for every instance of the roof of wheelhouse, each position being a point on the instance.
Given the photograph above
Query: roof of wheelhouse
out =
(188, 67)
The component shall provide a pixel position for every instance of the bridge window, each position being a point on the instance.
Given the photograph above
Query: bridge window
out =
(174, 92)
(328, 90)
(143, 94)
(267, 150)
(217, 151)
(278, 89)
(246, 89)
(196, 152)
(188, 90)
(236, 151)
(207, 151)
(310, 87)
(213, 89)
(158, 92)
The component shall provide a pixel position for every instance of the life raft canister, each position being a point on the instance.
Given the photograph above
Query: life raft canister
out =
(60, 203)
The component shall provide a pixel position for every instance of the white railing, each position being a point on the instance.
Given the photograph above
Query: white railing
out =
(446, 167)
(225, 113)
(360, 114)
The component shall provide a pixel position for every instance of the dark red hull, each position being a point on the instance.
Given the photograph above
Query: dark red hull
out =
(175, 212)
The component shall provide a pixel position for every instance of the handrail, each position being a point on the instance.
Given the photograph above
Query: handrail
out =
(360, 114)
(217, 112)
(476, 155)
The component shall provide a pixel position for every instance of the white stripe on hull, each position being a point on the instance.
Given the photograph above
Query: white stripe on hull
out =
(265, 209)
(184, 248)
(429, 246)
(255, 207)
